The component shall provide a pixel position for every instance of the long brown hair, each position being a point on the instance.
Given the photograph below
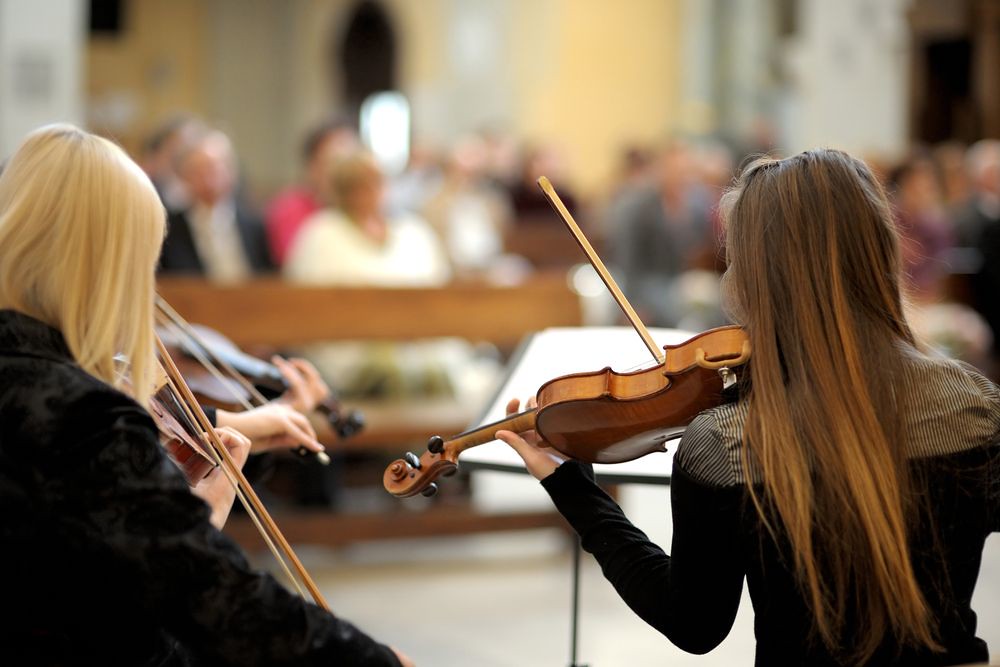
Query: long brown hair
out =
(814, 277)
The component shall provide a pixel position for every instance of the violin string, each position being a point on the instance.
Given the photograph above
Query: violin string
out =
(187, 419)
(193, 334)
(212, 369)
(272, 527)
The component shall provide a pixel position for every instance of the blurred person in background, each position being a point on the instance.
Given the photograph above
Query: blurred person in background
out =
(218, 235)
(468, 212)
(979, 229)
(410, 191)
(290, 208)
(659, 233)
(927, 247)
(356, 243)
(926, 232)
(956, 184)
(529, 204)
(159, 158)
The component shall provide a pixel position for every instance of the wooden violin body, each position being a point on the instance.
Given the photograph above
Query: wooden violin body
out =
(609, 417)
(604, 416)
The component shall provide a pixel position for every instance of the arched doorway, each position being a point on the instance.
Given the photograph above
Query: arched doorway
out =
(365, 56)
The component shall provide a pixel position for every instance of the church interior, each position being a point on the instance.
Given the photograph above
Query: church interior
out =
(270, 127)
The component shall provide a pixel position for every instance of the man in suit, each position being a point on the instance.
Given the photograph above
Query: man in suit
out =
(216, 236)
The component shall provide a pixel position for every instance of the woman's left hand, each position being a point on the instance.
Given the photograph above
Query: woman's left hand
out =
(540, 459)
(306, 389)
(272, 426)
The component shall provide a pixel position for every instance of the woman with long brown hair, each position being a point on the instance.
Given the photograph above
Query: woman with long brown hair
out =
(854, 482)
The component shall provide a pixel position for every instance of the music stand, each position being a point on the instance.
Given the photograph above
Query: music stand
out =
(560, 351)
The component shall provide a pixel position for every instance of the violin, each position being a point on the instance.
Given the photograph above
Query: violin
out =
(177, 435)
(193, 431)
(602, 416)
(223, 376)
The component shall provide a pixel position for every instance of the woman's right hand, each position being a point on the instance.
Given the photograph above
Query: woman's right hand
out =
(540, 459)
(216, 490)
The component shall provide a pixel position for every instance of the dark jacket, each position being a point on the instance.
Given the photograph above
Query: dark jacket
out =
(180, 255)
(107, 557)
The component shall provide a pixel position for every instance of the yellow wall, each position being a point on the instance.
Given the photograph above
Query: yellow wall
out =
(157, 64)
(612, 78)
(585, 75)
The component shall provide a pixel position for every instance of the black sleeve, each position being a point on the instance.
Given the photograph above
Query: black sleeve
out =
(197, 580)
(692, 596)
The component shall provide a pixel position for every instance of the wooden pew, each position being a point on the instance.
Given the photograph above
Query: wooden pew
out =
(275, 314)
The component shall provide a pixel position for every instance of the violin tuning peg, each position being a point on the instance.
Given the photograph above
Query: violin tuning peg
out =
(449, 472)
(430, 490)
(435, 445)
(412, 459)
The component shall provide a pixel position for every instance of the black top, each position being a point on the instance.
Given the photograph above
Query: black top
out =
(692, 595)
(180, 254)
(107, 557)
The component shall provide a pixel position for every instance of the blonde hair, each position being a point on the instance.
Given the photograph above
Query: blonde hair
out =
(814, 276)
(80, 232)
(348, 172)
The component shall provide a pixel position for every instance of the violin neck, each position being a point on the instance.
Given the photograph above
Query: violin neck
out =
(518, 423)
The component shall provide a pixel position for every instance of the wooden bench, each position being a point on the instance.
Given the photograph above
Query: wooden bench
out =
(272, 312)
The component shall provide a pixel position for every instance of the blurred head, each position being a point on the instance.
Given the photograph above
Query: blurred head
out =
(468, 159)
(917, 183)
(676, 169)
(80, 233)
(324, 144)
(159, 150)
(208, 167)
(983, 162)
(357, 185)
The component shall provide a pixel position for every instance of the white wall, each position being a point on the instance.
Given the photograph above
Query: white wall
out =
(848, 66)
(41, 50)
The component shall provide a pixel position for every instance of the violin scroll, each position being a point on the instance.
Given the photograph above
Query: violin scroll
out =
(408, 476)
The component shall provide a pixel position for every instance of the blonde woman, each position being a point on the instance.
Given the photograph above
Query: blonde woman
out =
(107, 556)
(854, 482)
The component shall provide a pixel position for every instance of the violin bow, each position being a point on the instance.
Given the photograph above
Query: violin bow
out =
(201, 351)
(602, 271)
(269, 529)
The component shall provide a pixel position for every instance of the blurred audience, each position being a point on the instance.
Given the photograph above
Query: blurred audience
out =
(467, 211)
(356, 243)
(979, 229)
(217, 235)
(345, 225)
(291, 207)
(658, 233)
